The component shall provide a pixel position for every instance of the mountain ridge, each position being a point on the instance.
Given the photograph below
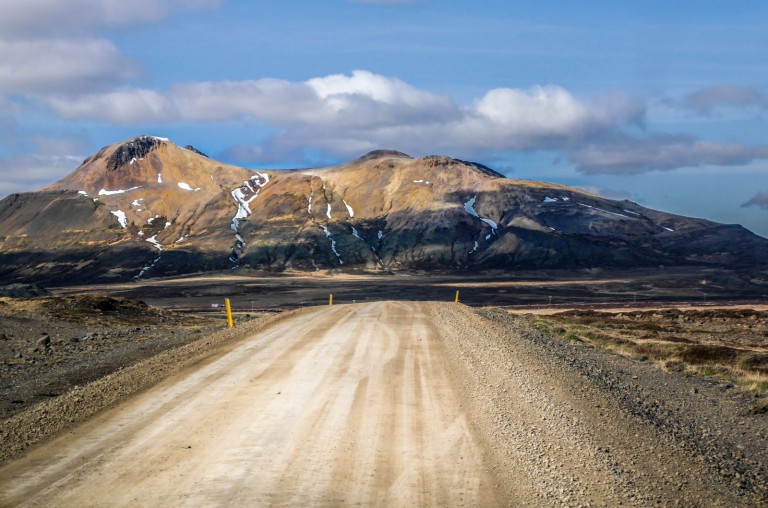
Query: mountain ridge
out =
(146, 207)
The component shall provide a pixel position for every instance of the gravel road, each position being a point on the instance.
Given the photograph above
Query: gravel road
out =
(407, 404)
(348, 405)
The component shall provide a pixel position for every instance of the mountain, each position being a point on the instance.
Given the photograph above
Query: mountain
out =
(147, 207)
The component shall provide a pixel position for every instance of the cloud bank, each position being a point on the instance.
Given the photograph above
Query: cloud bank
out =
(347, 114)
(366, 109)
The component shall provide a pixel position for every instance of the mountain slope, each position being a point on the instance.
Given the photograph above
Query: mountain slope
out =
(146, 207)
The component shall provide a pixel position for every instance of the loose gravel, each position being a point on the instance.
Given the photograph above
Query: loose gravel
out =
(568, 425)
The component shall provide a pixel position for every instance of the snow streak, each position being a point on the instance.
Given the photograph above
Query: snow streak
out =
(349, 209)
(469, 206)
(243, 195)
(333, 243)
(104, 192)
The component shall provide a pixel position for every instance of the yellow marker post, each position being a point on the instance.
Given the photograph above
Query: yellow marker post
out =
(330, 299)
(229, 312)
(457, 297)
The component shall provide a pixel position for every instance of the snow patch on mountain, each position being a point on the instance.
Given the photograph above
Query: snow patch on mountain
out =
(153, 241)
(104, 192)
(187, 187)
(121, 218)
(349, 209)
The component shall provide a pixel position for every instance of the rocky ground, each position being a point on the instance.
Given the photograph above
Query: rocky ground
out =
(124, 351)
(581, 427)
(49, 345)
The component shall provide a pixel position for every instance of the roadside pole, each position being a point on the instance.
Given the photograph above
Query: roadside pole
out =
(330, 299)
(229, 312)
(457, 297)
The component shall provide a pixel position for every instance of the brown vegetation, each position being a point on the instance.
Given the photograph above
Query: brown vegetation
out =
(730, 344)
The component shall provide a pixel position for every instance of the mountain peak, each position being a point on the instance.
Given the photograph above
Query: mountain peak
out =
(135, 148)
(382, 154)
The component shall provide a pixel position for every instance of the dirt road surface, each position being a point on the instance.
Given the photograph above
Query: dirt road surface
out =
(349, 405)
(408, 404)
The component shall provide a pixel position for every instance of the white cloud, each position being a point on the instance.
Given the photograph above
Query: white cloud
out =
(363, 100)
(44, 65)
(636, 156)
(119, 106)
(51, 18)
(546, 111)
(55, 46)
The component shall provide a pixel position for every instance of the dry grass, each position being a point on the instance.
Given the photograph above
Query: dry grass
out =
(728, 344)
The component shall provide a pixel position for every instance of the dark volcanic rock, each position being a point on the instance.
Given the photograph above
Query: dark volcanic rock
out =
(136, 148)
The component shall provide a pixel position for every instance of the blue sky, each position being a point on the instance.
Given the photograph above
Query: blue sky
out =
(663, 103)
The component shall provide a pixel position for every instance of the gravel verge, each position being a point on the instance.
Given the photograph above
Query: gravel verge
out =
(567, 425)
